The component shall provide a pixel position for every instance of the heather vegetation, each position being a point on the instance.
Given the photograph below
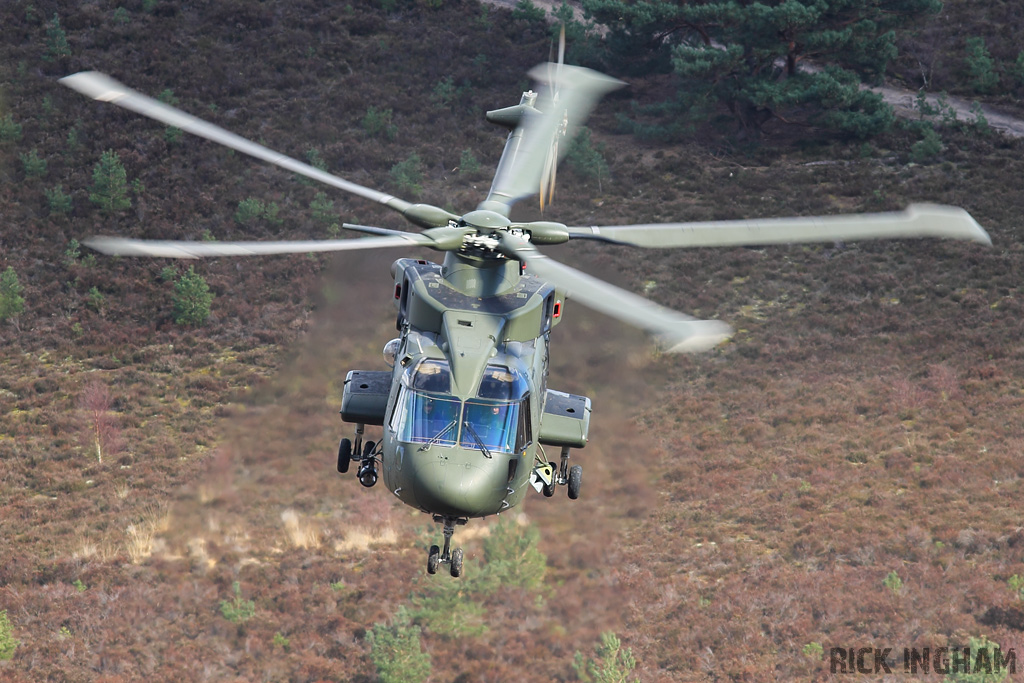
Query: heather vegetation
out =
(846, 471)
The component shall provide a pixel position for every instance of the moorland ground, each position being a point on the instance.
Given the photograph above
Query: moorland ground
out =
(740, 507)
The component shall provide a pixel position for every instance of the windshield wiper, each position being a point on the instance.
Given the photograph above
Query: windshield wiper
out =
(476, 437)
(437, 437)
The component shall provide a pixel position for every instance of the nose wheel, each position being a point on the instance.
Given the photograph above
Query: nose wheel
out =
(452, 558)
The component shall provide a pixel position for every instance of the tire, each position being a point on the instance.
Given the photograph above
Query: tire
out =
(368, 448)
(549, 489)
(456, 566)
(344, 455)
(575, 480)
(433, 559)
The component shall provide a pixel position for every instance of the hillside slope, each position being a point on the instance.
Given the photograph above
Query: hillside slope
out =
(739, 506)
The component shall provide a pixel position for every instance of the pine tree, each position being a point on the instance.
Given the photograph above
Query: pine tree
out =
(110, 184)
(11, 302)
(192, 299)
(396, 651)
(747, 55)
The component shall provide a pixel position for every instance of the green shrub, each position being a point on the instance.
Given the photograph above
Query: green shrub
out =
(994, 672)
(586, 159)
(32, 164)
(95, 300)
(377, 123)
(251, 209)
(11, 302)
(981, 65)
(110, 184)
(192, 299)
(927, 148)
(9, 130)
(513, 558)
(7, 642)
(612, 664)
(396, 651)
(407, 175)
(237, 611)
(893, 582)
(58, 202)
(529, 12)
(444, 93)
(56, 41)
(468, 165)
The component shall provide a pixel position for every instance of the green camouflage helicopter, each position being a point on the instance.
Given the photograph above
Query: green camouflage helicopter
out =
(465, 409)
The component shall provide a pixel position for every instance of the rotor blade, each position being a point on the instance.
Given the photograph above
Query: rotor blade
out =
(676, 332)
(917, 220)
(119, 246)
(519, 173)
(101, 87)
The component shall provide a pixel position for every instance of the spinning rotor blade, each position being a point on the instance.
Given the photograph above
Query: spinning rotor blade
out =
(550, 170)
(101, 87)
(677, 333)
(520, 174)
(117, 246)
(917, 220)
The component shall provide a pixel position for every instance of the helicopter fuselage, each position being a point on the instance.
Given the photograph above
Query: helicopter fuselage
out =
(465, 408)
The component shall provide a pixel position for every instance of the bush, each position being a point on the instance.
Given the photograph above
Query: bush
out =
(586, 159)
(981, 65)
(407, 175)
(9, 130)
(377, 123)
(612, 665)
(237, 611)
(56, 41)
(396, 651)
(192, 299)
(7, 642)
(33, 165)
(11, 302)
(59, 203)
(110, 184)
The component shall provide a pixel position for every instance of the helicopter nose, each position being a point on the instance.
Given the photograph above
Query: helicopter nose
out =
(458, 482)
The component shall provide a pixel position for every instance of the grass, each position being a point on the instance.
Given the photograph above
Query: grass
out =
(748, 502)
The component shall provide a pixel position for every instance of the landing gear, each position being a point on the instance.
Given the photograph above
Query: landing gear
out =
(546, 476)
(362, 454)
(449, 557)
(344, 455)
(549, 487)
(575, 479)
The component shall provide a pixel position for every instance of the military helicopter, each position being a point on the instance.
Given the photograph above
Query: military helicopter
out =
(465, 408)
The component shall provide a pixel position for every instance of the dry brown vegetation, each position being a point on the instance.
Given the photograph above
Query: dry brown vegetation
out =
(738, 505)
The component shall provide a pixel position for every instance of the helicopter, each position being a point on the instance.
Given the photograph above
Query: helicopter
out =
(465, 408)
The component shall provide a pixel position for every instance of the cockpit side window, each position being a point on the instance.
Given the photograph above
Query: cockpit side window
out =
(502, 384)
(433, 376)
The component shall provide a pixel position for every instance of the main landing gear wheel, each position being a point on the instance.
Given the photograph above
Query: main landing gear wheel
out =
(575, 479)
(456, 566)
(344, 455)
(436, 556)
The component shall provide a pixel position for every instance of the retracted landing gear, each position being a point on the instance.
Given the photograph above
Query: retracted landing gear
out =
(362, 454)
(547, 475)
(452, 558)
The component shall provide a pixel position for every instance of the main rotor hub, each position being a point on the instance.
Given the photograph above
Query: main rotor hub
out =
(485, 220)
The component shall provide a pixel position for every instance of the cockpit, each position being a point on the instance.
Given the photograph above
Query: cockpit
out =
(495, 420)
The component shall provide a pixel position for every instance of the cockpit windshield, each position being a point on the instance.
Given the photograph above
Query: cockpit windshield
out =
(490, 422)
